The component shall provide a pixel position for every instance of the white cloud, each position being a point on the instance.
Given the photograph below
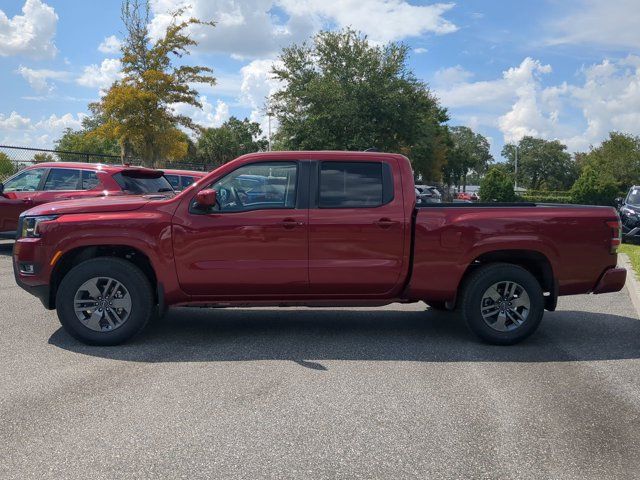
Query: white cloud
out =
(14, 121)
(23, 131)
(420, 50)
(101, 76)
(606, 97)
(38, 79)
(30, 34)
(110, 45)
(382, 20)
(601, 23)
(251, 29)
(208, 116)
(451, 76)
(257, 85)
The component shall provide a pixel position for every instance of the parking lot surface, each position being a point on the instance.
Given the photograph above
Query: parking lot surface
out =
(399, 392)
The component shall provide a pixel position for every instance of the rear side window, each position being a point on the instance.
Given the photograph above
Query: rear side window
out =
(89, 180)
(62, 179)
(352, 185)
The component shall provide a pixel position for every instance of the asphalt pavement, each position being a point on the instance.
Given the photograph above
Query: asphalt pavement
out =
(393, 393)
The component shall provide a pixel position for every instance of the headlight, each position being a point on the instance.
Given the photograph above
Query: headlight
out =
(29, 225)
(628, 211)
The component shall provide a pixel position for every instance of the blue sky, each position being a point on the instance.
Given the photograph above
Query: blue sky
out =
(567, 70)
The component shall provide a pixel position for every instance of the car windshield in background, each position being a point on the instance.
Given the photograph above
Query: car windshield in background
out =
(634, 197)
(140, 185)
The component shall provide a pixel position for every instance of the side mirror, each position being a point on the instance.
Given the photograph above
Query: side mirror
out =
(206, 198)
(618, 201)
(1, 188)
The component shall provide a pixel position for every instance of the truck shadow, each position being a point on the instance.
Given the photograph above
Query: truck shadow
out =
(309, 337)
(6, 248)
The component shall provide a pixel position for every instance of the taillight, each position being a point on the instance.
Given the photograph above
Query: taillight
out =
(616, 234)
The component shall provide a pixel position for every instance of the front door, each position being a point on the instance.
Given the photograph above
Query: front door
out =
(254, 241)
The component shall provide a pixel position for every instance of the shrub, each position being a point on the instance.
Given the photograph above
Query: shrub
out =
(6, 166)
(541, 196)
(496, 186)
(594, 188)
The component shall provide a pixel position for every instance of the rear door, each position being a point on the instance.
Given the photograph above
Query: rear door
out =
(356, 228)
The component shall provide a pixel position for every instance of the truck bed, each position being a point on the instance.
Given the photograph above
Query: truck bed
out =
(450, 238)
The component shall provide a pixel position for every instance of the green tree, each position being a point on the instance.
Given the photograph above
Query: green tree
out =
(87, 140)
(497, 186)
(469, 151)
(138, 109)
(542, 164)
(233, 138)
(594, 187)
(7, 167)
(43, 157)
(341, 92)
(619, 155)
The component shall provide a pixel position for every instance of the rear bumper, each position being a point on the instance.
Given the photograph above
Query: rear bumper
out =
(611, 281)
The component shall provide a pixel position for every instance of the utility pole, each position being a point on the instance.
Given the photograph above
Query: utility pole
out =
(269, 115)
(515, 177)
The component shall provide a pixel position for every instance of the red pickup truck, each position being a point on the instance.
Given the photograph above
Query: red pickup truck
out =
(310, 228)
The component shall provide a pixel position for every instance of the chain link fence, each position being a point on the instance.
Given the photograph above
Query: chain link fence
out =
(13, 159)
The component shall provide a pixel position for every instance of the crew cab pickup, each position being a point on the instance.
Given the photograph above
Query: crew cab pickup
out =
(315, 229)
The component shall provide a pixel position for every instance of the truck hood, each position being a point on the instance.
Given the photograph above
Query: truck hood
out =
(119, 203)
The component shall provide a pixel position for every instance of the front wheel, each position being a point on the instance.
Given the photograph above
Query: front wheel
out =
(104, 301)
(502, 303)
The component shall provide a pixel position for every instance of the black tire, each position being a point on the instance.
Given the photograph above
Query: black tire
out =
(480, 281)
(130, 276)
(440, 306)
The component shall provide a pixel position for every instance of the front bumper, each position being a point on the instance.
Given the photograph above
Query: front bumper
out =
(611, 281)
(31, 251)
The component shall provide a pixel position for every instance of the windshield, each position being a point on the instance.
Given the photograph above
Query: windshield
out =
(634, 197)
(142, 185)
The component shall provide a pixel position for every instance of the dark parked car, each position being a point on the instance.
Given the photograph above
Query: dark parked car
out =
(629, 209)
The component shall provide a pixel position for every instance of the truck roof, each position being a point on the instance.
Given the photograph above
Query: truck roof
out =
(319, 155)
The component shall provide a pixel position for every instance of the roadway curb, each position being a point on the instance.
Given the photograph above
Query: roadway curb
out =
(632, 284)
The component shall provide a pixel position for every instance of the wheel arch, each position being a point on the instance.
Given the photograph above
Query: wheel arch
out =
(534, 261)
(75, 256)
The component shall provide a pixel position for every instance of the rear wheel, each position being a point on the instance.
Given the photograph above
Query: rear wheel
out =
(502, 303)
(104, 301)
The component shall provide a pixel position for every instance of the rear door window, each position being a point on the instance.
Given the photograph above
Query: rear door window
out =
(351, 185)
(62, 179)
